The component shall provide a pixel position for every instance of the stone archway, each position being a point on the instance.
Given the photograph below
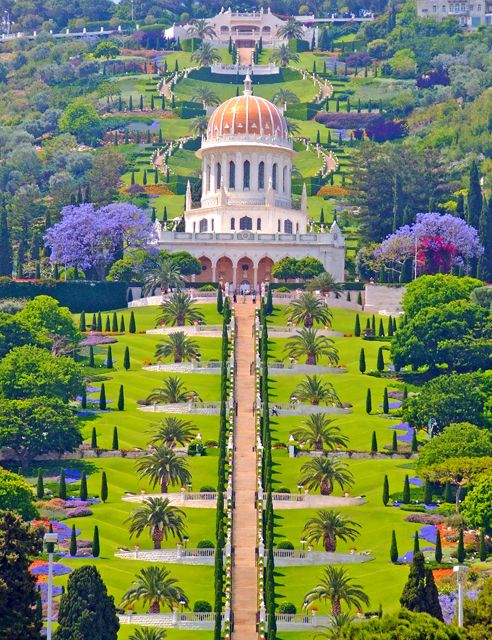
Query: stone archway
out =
(224, 270)
(265, 270)
(245, 273)
(206, 274)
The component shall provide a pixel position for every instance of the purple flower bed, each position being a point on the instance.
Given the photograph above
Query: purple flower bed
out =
(78, 512)
(417, 482)
(93, 389)
(403, 426)
(64, 531)
(43, 588)
(395, 404)
(408, 556)
(406, 437)
(106, 362)
(58, 569)
(428, 532)
(448, 603)
(95, 339)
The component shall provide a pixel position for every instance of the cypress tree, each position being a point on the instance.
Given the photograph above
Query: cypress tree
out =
(374, 443)
(83, 399)
(390, 326)
(95, 542)
(359, 298)
(322, 216)
(121, 399)
(460, 553)
(115, 446)
(386, 495)
(73, 542)
(109, 358)
(126, 359)
(406, 490)
(380, 360)
(420, 593)
(114, 324)
(269, 302)
(141, 102)
(94, 322)
(398, 203)
(438, 549)
(83, 487)
(40, 485)
(405, 393)
(62, 486)
(416, 543)
(448, 493)
(385, 401)
(394, 444)
(129, 297)
(474, 199)
(102, 398)
(460, 206)
(5, 246)
(415, 444)
(82, 326)
(91, 357)
(485, 231)
(107, 325)
(99, 325)
(394, 548)
(373, 324)
(381, 328)
(483, 546)
(93, 438)
(220, 300)
(122, 323)
(349, 299)
(362, 361)
(357, 325)
(368, 401)
(104, 487)
(133, 327)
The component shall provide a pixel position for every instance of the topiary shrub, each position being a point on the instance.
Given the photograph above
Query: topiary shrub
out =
(205, 544)
(283, 289)
(418, 508)
(207, 287)
(285, 544)
(202, 606)
(283, 490)
(207, 488)
(287, 607)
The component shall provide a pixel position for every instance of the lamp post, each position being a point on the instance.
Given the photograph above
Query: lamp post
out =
(303, 542)
(185, 540)
(50, 539)
(461, 572)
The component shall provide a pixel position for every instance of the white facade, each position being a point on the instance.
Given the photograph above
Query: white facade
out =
(469, 13)
(247, 220)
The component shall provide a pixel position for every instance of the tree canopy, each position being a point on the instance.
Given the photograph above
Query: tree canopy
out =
(468, 439)
(53, 325)
(16, 495)
(476, 505)
(432, 291)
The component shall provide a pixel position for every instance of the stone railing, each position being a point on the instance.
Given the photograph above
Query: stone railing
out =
(301, 621)
(176, 619)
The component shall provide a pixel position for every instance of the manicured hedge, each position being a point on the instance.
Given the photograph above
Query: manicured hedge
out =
(343, 120)
(185, 109)
(298, 45)
(178, 183)
(190, 44)
(302, 110)
(77, 296)
(313, 185)
(206, 75)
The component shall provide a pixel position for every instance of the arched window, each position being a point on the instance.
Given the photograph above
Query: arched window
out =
(274, 177)
(288, 226)
(246, 172)
(203, 225)
(284, 179)
(233, 224)
(246, 223)
(218, 175)
(232, 175)
(261, 175)
(258, 224)
(208, 178)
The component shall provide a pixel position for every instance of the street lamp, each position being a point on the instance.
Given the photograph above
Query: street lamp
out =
(303, 542)
(185, 540)
(50, 539)
(461, 572)
(182, 604)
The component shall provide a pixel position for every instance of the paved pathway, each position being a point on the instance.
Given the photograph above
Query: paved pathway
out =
(245, 55)
(244, 592)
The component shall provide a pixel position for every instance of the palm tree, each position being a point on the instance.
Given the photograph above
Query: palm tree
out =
(148, 633)
(199, 125)
(178, 346)
(160, 518)
(338, 623)
(283, 97)
(173, 392)
(154, 587)
(164, 467)
(293, 129)
(309, 309)
(206, 55)
(337, 587)
(178, 310)
(283, 56)
(325, 283)
(201, 29)
(291, 30)
(323, 473)
(313, 390)
(163, 273)
(307, 342)
(318, 432)
(206, 96)
(172, 431)
(327, 526)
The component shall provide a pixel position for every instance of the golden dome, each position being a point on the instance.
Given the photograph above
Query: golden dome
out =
(247, 115)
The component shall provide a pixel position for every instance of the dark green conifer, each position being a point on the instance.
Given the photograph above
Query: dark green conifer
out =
(109, 358)
(385, 401)
(380, 361)
(406, 490)
(122, 323)
(82, 326)
(461, 553)
(121, 399)
(93, 438)
(62, 487)
(362, 361)
(99, 322)
(368, 401)
(394, 548)
(115, 446)
(73, 542)
(91, 357)
(40, 485)
(114, 324)
(386, 495)
(83, 487)
(104, 487)
(102, 398)
(374, 443)
(394, 443)
(357, 325)
(438, 549)
(133, 327)
(126, 359)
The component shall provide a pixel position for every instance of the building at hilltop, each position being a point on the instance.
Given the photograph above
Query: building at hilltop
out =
(469, 13)
(247, 218)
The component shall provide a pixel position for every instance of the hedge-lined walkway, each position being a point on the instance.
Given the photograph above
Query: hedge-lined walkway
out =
(244, 581)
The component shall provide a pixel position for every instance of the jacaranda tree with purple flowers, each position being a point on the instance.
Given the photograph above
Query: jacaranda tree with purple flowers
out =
(91, 239)
(440, 242)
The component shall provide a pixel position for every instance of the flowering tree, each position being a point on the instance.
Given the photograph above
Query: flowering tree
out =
(440, 242)
(90, 238)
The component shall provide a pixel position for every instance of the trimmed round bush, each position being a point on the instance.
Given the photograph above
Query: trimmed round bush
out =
(202, 606)
(207, 287)
(205, 544)
(287, 607)
(285, 544)
(207, 488)
(283, 490)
